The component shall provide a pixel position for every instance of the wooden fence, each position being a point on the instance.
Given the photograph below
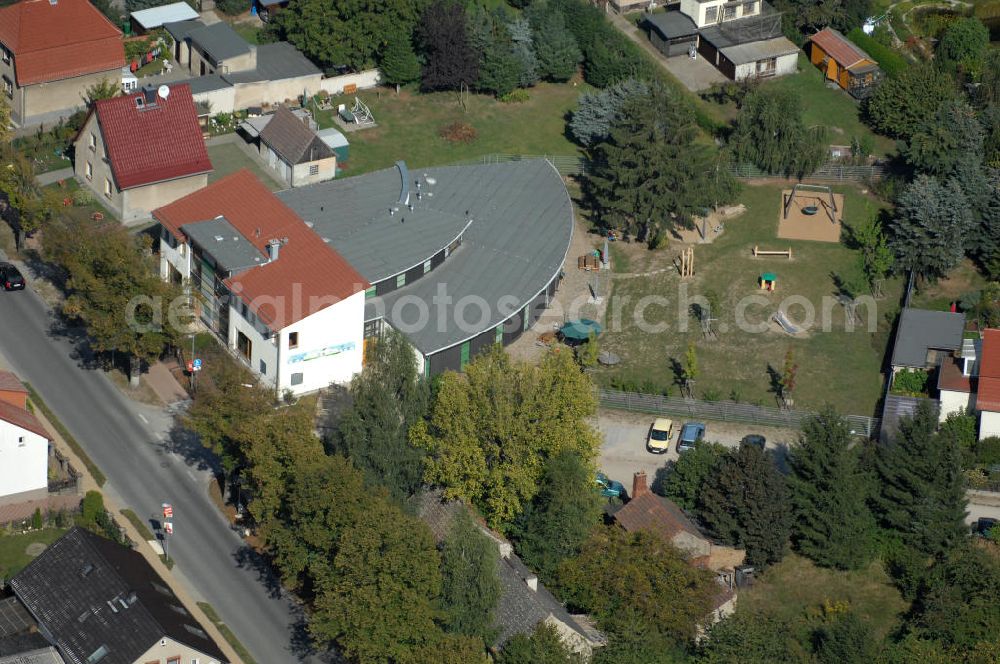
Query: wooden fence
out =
(725, 411)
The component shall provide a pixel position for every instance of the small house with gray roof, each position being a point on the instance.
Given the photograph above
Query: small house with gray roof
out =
(524, 602)
(290, 148)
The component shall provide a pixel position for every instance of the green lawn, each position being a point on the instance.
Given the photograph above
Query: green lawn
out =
(835, 366)
(228, 158)
(12, 549)
(409, 124)
(796, 590)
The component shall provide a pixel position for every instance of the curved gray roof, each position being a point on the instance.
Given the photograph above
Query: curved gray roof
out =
(522, 224)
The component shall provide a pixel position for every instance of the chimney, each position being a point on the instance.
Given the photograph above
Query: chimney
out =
(639, 485)
(273, 247)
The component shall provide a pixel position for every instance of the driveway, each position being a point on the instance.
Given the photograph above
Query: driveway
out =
(623, 452)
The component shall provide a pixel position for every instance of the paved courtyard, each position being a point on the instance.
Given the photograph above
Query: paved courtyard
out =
(696, 74)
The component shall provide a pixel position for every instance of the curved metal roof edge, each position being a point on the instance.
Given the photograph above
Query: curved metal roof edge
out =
(461, 233)
(572, 217)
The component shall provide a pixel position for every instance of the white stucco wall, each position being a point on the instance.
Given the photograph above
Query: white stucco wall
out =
(330, 349)
(179, 257)
(363, 79)
(952, 402)
(786, 64)
(166, 648)
(989, 424)
(698, 10)
(262, 350)
(220, 101)
(23, 460)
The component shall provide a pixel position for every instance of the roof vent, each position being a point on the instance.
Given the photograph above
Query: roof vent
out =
(310, 224)
(273, 249)
(86, 569)
(218, 238)
(114, 609)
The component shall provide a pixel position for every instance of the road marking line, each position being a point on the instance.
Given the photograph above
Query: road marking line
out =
(143, 418)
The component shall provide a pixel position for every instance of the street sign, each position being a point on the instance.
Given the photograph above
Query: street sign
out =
(190, 366)
(168, 527)
(168, 511)
(197, 364)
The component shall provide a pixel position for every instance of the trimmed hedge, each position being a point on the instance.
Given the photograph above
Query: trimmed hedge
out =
(891, 62)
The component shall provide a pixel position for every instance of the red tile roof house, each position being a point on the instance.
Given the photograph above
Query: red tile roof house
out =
(988, 393)
(24, 446)
(282, 300)
(143, 150)
(647, 511)
(52, 51)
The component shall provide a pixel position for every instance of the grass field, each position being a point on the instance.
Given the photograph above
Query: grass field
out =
(409, 125)
(228, 158)
(12, 549)
(826, 106)
(837, 367)
(795, 590)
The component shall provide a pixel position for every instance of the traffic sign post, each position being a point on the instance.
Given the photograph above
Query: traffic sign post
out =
(168, 526)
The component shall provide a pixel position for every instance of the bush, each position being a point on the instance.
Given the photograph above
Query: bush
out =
(36, 519)
(92, 507)
(518, 96)
(910, 383)
(988, 451)
(458, 132)
(82, 197)
(232, 7)
(890, 60)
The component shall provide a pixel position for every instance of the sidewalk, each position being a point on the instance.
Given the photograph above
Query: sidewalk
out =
(163, 383)
(45, 179)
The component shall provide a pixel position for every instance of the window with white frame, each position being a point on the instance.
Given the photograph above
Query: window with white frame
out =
(314, 169)
(107, 188)
(712, 14)
(92, 141)
(729, 13)
(8, 87)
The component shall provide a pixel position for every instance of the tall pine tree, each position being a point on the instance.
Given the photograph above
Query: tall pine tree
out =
(745, 502)
(387, 398)
(932, 226)
(399, 64)
(556, 49)
(651, 175)
(831, 524)
(922, 491)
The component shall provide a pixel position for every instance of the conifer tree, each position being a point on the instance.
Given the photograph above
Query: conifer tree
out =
(556, 49)
(922, 492)
(831, 524)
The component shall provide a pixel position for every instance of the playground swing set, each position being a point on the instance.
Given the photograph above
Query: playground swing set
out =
(800, 189)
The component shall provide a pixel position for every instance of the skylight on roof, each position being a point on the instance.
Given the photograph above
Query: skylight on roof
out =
(98, 655)
(196, 631)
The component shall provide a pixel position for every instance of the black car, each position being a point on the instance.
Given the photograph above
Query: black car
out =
(10, 277)
(756, 440)
(984, 525)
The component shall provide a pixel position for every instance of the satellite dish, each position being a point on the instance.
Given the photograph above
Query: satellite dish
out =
(163, 91)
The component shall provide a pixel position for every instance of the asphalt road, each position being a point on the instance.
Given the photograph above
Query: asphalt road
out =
(148, 464)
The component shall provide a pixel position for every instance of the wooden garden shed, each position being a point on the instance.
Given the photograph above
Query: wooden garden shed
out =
(844, 62)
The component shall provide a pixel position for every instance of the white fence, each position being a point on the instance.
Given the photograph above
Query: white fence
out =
(363, 79)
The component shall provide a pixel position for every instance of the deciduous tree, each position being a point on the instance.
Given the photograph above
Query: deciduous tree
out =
(846, 640)
(470, 581)
(831, 523)
(378, 603)
(627, 580)
(543, 646)
(555, 524)
(770, 134)
(963, 45)
(745, 502)
(449, 59)
(876, 257)
(921, 489)
(491, 430)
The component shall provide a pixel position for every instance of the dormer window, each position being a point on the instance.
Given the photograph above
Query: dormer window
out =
(140, 102)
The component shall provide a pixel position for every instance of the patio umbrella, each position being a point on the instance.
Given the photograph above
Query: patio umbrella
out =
(579, 330)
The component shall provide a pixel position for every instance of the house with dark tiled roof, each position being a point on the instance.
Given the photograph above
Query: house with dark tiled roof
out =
(99, 602)
(142, 150)
(24, 446)
(52, 51)
(20, 640)
(524, 602)
(293, 150)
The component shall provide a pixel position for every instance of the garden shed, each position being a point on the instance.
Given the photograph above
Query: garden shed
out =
(672, 32)
(844, 62)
